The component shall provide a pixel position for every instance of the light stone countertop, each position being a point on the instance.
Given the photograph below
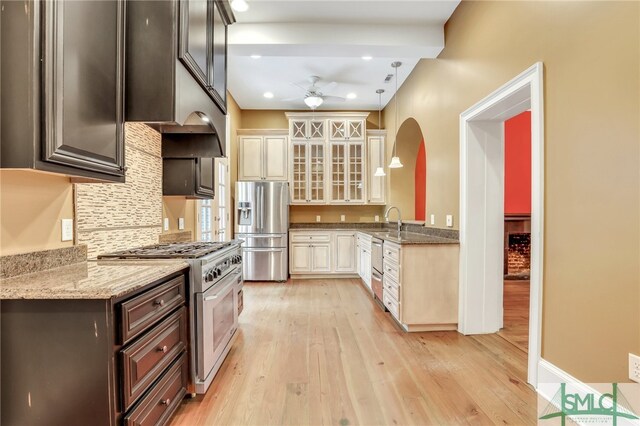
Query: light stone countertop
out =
(386, 234)
(103, 279)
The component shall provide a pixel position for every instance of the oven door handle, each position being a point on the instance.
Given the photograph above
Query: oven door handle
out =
(222, 287)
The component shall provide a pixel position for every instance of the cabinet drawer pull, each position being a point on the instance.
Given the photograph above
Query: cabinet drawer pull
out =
(163, 349)
(165, 401)
(159, 302)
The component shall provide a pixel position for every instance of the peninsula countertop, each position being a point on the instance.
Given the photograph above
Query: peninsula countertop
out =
(104, 279)
(378, 230)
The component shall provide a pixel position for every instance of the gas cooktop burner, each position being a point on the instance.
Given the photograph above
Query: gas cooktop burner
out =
(171, 250)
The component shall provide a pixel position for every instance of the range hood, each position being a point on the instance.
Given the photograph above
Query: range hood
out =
(160, 90)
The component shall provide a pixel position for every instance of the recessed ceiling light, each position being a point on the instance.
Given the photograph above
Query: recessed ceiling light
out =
(268, 95)
(256, 56)
(367, 57)
(239, 5)
(352, 96)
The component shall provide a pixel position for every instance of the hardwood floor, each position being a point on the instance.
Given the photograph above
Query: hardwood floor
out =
(516, 313)
(321, 352)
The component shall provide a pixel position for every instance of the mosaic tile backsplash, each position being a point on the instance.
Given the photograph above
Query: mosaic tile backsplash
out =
(117, 216)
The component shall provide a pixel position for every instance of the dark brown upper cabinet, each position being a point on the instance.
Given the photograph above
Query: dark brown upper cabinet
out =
(62, 85)
(172, 73)
(202, 46)
(188, 177)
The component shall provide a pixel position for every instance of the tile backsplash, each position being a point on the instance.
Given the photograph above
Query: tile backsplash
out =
(112, 217)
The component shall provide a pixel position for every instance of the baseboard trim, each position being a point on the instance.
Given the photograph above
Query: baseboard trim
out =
(549, 378)
(322, 276)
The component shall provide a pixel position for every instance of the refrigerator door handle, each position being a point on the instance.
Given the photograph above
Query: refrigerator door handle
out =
(262, 209)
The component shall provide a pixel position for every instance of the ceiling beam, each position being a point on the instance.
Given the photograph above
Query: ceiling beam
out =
(336, 40)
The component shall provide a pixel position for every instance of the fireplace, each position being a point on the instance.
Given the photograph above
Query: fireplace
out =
(517, 247)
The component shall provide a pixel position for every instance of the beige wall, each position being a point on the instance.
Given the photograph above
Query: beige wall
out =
(301, 214)
(173, 208)
(32, 205)
(590, 51)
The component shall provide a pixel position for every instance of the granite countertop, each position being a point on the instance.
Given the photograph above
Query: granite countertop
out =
(410, 238)
(89, 280)
(380, 230)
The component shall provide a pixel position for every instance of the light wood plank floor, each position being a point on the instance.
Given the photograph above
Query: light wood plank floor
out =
(314, 352)
(516, 313)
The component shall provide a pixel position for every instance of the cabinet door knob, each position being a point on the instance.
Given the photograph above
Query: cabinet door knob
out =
(163, 349)
(159, 302)
(165, 401)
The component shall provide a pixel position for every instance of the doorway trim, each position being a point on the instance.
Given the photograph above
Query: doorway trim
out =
(482, 209)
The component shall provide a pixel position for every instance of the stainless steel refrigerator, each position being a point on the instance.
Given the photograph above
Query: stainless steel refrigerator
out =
(262, 223)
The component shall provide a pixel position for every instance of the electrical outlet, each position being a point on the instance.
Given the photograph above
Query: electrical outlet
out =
(67, 229)
(318, 218)
(181, 223)
(342, 218)
(433, 219)
(376, 218)
(166, 224)
(634, 367)
(449, 220)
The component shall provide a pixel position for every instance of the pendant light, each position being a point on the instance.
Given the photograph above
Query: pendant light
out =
(379, 171)
(395, 160)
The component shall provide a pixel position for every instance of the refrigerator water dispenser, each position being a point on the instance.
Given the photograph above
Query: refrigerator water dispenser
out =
(244, 213)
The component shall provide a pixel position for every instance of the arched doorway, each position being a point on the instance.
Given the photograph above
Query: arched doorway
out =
(408, 184)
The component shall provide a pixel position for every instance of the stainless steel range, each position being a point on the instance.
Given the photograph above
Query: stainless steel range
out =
(215, 291)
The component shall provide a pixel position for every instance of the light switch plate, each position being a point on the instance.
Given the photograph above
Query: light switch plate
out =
(376, 218)
(634, 367)
(449, 220)
(67, 229)
(433, 219)
(166, 224)
(342, 218)
(181, 223)
(318, 218)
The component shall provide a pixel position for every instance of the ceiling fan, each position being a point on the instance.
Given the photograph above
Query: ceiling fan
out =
(315, 95)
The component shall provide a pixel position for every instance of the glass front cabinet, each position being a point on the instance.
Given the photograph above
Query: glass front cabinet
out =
(347, 172)
(328, 158)
(308, 173)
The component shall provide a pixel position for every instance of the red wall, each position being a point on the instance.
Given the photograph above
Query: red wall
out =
(517, 167)
(421, 183)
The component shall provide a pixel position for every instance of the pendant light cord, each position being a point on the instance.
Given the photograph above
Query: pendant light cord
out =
(395, 142)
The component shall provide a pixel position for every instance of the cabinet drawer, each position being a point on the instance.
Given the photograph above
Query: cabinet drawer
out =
(391, 252)
(392, 270)
(306, 237)
(392, 287)
(145, 360)
(139, 313)
(391, 304)
(157, 406)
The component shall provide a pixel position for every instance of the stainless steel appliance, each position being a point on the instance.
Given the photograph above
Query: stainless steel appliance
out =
(262, 223)
(215, 286)
(376, 268)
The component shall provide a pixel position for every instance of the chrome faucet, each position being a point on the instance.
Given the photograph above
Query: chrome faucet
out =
(386, 216)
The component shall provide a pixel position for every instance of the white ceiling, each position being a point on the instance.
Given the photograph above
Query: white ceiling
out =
(300, 38)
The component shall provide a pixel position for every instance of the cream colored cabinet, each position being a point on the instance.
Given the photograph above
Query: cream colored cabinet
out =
(363, 253)
(376, 185)
(347, 172)
(310, 258)
(347, 129)
(308, 175)
(307, 129)
(263, 157)
(345, 249)
(322, 252)
(420, 285)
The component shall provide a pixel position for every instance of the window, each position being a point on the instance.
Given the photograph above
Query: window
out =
(206, 221)
(221, 196)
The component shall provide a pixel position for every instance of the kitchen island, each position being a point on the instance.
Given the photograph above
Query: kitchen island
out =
(100, 343)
